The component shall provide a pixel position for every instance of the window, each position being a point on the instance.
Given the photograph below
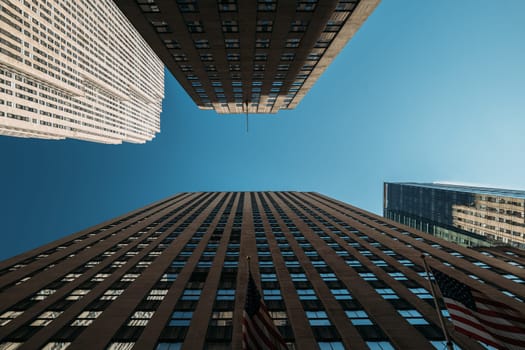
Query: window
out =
(262, 43)
(232, 43)
(272, 294)
(227, 5)
(157, 294)
(179, 57)
(148, 6)
(306, 5)
(293, 43)
(422, 293)
(318, 318)
(359, 318)
(221, 318)
(333, 26)
(140, 318)
(332, 345)
(299, 26)
(341, 294)
(52, 346)
(413, 317)
(111, 294)
(77, 294)
(206, 57)
(187, 5)
(266, 5)
(161, 26)
(225, 294)
(168, 277)
(306, 294)
(46, 318)
(168, 346)
(230, 26)
(202, 44)
(233, 57)
(171, 44)
(288, 56)
(379, 345)
(264, 26)
(195, 26)
(86, 318)
(43, 294)
(8, 316)
(180, 318)
(261, 56)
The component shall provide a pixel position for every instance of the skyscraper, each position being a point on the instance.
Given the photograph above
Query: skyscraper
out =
(266, 53)
(173, 275)
(76, 70)
(467, 215)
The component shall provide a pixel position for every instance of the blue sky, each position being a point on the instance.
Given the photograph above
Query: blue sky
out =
(425, 91)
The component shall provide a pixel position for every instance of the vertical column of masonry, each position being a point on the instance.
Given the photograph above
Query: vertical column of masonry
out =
(212, 21)
(412, 248)
(177, 21)
(348, 334)
(247, 249)
(316, 20)
(398, 287)
(431, 245)
(357, 16)
(65, 260)
(381, 311)
(195, 339)
(102, 330)
(32, 263)
(304, 337)
(151, 334)
(282, 19)
(41, 337)
(247, 18)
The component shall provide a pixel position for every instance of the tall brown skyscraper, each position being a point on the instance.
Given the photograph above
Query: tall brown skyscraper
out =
(268, 53)
(173, 275)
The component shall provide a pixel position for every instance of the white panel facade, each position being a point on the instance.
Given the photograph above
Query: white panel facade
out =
(76, 69)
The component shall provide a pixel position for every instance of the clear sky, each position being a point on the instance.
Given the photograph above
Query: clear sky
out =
(425, 91)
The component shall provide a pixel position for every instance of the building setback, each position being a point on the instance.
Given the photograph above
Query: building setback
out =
(467, 215)
(173, 275)
(76, 70)
(267, 52)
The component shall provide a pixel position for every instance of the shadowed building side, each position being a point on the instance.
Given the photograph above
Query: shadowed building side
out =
(173, 275)
(269, 53)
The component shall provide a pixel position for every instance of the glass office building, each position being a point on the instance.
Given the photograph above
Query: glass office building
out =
(467, 215)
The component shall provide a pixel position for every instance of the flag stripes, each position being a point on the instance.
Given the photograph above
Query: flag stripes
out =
(258, 330)
(480, 317)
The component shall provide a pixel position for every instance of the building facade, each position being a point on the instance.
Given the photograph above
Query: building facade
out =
(264, 54)
(470, 216)
(173, 275)
(76, 70)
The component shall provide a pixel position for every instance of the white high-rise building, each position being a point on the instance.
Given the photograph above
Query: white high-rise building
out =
(76, 69)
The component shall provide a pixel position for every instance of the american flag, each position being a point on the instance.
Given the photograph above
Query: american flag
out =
(258, 329)
(480, 317)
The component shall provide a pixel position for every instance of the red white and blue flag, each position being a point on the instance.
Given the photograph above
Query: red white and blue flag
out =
(258, 330)
(480, 317)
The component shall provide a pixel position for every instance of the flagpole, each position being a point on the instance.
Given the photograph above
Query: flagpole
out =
(438, 309)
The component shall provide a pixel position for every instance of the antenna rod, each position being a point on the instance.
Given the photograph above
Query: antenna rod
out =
(247, 125)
